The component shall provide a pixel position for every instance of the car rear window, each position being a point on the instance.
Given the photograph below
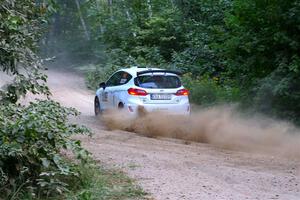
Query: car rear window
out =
(157, 81)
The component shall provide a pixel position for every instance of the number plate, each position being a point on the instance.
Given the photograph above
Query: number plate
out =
(160, 96)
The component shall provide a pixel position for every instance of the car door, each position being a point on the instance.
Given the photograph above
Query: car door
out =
(107, 98)
(115, 94)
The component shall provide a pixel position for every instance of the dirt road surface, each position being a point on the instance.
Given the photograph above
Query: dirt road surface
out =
(172, 169)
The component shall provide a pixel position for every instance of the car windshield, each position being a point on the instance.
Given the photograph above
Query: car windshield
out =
(157, 81)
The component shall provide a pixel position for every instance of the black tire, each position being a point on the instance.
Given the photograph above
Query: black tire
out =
(120, 106)
(97, 107)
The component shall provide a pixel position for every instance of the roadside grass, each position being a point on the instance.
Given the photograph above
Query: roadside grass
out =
(99, 183)
(96, 183)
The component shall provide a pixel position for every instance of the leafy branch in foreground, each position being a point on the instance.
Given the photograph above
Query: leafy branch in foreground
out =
(34, 82)
(31, 141)
(21, 26)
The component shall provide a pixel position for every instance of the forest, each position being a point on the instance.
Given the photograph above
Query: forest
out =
(230, 51)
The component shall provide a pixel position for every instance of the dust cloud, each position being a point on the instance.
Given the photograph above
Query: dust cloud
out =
(220, 126)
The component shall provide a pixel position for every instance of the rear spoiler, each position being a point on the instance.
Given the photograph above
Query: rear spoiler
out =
(159, 71)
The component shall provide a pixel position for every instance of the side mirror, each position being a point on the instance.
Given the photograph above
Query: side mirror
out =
(102, 85)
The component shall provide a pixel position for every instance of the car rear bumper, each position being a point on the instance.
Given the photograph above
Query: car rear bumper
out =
(173, 109)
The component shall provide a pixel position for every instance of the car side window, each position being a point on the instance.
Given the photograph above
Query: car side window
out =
(114, 80)
(119, 78)
(125, 78)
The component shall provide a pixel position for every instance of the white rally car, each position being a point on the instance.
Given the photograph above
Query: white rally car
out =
(143, 89)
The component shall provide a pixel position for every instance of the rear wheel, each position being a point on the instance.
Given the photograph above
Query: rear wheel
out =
(120, 106)
(97, 107)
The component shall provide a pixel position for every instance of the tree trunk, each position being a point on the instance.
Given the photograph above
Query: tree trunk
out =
(128, 16)
(110, 2)
(172, 3)
(149, 8)
(86, 33)
(99, 10)
(97, 5)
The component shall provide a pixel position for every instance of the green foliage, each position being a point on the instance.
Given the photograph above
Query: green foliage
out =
(278, 94)
(162, 33)
(31, 141)
(207, 91)
(262, 49)
(204, 32)
(21, 23)
(148, 33)
(19, 32)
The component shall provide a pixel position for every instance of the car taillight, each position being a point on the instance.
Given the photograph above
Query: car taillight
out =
(137, 92)
(182, 92)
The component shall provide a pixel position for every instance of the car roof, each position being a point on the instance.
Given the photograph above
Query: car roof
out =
(133, 70)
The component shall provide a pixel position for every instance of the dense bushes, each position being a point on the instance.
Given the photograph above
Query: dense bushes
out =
(262, 51)
(31, 141)
(206, 91)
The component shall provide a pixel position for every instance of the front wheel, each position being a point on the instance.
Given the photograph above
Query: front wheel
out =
(97, 106)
